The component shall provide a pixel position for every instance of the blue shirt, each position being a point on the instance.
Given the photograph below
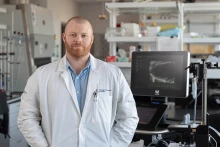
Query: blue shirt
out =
(80, 82)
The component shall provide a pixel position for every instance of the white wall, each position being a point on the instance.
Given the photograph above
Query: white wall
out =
(42, 3)
(2, 2)
(62, 11)
(91, 12)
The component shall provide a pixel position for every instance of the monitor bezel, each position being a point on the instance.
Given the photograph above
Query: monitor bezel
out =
(183, 93)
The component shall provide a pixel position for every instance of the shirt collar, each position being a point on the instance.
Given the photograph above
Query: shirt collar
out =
(86, 68)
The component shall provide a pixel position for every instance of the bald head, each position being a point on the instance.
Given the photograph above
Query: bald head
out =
(78, 38)
(79, 20)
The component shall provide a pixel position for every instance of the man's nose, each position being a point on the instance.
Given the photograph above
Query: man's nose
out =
(78, 39)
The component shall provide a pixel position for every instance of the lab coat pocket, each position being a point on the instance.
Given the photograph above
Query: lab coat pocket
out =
(102, 109)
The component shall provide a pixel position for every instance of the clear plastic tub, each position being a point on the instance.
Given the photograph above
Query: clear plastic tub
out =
(115, 31)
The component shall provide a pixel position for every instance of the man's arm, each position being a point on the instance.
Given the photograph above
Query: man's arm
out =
(126, 117)
(29, 114)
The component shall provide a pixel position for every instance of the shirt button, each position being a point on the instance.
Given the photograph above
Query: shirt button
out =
(77, 92)
(80, 126)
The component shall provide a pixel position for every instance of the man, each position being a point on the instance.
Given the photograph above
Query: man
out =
(78, 101)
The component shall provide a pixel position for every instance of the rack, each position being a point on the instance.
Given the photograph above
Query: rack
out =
(116, 9)
(201, 8)
(128, 8)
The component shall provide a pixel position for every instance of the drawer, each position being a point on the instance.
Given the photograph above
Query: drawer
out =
(14, 107)
(15, 133)
(13, 120)
(21, 142)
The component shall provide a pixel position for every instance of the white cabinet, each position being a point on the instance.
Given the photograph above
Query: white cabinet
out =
(17, 139)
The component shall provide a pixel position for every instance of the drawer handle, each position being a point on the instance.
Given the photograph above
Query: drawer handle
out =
(19, 141)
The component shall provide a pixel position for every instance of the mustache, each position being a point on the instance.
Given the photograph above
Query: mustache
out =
(76, 45)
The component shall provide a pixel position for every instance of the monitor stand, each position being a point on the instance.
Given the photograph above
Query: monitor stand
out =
(160, 100)
(149, 137)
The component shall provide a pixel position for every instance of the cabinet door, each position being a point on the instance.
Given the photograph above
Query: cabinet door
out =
(14, 107)
(17, 139)
(4, 142)
(19, 143)
(15, 133)
(13, 120)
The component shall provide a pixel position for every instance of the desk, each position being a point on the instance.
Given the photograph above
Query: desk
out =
(151, 132)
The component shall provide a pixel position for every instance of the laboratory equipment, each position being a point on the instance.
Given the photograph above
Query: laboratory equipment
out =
(26, 42)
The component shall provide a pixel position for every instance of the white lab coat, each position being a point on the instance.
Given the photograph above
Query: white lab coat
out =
(50, 97)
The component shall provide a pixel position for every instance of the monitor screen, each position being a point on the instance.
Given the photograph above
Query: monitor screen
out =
(160, 73)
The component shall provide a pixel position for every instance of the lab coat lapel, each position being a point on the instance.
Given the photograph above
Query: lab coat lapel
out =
(69, 84)
(68, 81)
(92, 81)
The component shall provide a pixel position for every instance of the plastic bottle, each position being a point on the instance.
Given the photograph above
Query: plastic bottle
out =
(131, 49)
(143, 29)
(139, 48)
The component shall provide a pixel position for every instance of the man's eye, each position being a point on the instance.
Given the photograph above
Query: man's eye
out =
(73, 35)
(84, 36)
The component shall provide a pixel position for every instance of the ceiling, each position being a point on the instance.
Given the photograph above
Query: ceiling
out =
(99, 1)
(91, 1)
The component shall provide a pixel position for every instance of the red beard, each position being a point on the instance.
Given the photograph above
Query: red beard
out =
(77, 50)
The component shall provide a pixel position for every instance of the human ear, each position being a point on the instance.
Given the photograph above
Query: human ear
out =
(92, 39)
(64, 37)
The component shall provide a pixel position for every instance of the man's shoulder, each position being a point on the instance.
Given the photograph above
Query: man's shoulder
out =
(108, 67)
(50, 67)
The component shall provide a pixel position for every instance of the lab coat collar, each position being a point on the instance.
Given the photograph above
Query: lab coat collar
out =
(94, 64)
(95, 68)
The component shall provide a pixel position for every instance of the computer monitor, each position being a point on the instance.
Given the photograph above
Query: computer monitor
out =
(160, 74)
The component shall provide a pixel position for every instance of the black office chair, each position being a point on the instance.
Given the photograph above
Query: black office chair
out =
(4, 122)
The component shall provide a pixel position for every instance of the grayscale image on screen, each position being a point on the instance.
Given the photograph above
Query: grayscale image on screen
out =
(162, 72)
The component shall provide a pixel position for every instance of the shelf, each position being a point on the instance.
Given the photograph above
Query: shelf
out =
(143, 7)
(3, 10)
(209, 7)
(131, 39)
(210, 40)
(161, 21)
(121, 64)
(211, 73)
